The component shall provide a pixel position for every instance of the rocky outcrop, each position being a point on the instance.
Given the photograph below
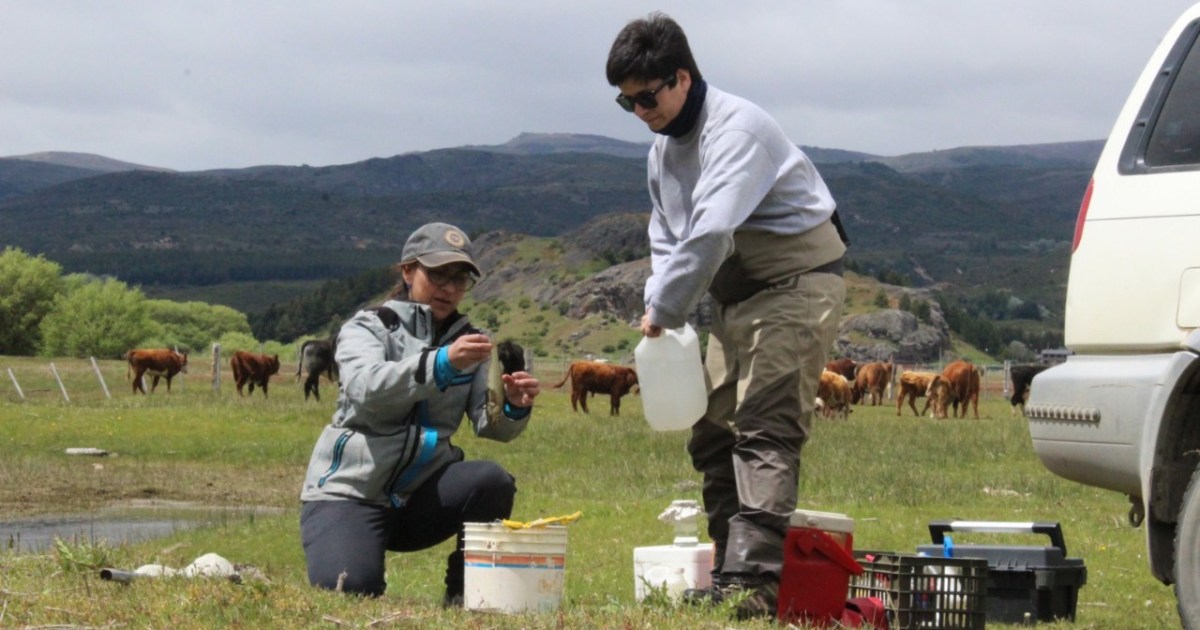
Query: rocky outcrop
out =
(892, 333)
(616, 238)
(617, 290)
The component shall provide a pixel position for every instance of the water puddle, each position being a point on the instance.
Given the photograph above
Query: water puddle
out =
(118, 524)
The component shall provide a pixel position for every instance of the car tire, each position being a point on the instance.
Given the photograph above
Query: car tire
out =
(1187, 556)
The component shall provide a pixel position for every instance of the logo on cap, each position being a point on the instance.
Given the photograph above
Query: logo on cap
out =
(455, 239)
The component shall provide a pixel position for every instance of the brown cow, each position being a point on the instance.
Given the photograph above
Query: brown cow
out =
(158, 363)
(255, 369)
(914, 385)
(843, 366)
(600, 378)
(938, 395)
(962, 381)
(873, 378)
(834, 393)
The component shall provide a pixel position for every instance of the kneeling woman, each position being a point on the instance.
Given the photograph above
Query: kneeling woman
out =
(383, 475)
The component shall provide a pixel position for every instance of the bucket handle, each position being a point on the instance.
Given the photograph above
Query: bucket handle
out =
(820, 541)
(938, 529)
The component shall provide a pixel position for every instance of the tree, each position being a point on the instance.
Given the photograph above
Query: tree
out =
(28, 287)
(102, 318)
(194, 326)
(923, 311)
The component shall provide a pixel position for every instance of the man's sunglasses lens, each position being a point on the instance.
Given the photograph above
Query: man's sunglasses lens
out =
(645, 99)
(648, 99)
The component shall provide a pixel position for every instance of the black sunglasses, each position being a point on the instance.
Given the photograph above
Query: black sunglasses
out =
(646, 98)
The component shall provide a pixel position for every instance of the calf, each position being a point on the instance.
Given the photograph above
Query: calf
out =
(834, 393)
(914, 385)
(962, 380)
(873, 379)
(938, 395)
(600, 378)
(157, 362)
(255, 369)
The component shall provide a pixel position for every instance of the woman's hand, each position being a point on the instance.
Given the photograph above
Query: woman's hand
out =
(468, 351)
(520, 388)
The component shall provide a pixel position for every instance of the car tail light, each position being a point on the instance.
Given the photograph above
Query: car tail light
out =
(1079, 221)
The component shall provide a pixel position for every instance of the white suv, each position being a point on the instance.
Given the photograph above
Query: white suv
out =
(1123, 412)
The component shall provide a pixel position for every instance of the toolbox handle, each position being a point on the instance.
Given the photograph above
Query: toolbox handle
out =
(938, 529)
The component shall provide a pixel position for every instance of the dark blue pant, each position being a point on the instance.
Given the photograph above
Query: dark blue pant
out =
(348, 537)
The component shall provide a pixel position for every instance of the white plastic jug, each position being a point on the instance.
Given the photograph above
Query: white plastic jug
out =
(671, 378)
(685, 563)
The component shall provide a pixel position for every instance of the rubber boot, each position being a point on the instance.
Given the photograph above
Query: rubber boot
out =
(756, 597)
(455, 581)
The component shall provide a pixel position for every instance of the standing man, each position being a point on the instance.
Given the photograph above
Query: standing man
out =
(739, 211)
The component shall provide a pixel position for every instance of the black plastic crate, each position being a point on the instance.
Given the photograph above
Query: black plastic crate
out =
(924, 592)
(1025, 583)
(1044, 594)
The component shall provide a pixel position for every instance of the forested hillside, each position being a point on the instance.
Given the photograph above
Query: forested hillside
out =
(988, 227)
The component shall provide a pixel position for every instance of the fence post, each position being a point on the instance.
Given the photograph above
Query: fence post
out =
(16, 384)
(100, 377)
(1007, 376)
(216, 367)
(61, 387)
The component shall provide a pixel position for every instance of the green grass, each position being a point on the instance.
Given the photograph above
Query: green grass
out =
(892, 475)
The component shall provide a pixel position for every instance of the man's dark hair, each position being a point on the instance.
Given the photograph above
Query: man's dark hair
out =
(650, 48)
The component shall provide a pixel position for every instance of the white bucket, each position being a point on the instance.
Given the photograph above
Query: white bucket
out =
(671, 377)
(514, 570)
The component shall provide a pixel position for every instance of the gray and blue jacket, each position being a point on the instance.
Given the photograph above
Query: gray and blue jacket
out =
(398, 404)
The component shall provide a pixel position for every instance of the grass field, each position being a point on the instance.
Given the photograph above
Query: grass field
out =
(892, 475)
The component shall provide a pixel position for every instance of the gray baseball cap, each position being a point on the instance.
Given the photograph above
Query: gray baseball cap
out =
(437, 244)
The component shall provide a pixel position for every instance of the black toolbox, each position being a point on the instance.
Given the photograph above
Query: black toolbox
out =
(1025, 583)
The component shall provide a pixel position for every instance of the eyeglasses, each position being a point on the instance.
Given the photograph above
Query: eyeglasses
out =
(646, 98)
(462, 280)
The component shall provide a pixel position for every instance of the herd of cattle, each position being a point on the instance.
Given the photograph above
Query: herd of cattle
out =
(949, 392)
(844, 383)
(249, 368)
(253, 369)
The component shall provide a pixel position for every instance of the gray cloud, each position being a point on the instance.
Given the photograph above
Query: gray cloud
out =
(230, 84)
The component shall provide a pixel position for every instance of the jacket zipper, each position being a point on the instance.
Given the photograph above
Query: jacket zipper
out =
(339, 447)
(417, 455)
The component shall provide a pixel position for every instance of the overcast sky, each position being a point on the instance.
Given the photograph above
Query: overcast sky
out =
(200, 84)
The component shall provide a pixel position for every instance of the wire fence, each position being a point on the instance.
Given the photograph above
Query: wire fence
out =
(72, 380)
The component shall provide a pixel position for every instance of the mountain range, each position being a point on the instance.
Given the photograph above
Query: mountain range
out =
(969, 220)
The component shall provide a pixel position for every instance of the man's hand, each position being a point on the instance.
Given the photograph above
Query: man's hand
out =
(648, 327)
